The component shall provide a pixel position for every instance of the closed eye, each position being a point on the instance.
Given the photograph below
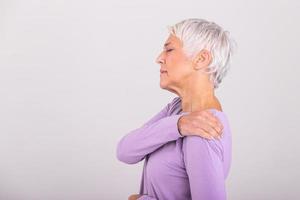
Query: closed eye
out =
(168, 50)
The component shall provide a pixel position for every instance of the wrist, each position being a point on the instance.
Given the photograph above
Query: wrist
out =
(179, 126)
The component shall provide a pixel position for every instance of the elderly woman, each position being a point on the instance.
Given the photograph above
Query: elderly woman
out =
(186, 147)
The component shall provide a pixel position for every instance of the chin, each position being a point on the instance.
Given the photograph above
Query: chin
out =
(162, 85)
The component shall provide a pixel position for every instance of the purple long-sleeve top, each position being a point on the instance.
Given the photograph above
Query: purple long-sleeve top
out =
(178, 167)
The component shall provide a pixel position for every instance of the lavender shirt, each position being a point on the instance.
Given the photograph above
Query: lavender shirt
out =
(177, 167)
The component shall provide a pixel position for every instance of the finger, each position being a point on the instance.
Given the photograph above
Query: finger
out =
(210, 125)
(213, 124)
(209, 122)
(210, 116)
(220, 124)
(202, 133)
(209, 130)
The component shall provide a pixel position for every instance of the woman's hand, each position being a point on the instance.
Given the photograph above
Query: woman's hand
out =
(200, 123)
(134, 197)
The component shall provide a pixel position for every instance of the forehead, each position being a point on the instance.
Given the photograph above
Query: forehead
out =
(172, 40)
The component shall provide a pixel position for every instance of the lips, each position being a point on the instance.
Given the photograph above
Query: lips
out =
(163, 71)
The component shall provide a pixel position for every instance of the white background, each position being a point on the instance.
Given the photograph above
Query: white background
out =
(76, 76)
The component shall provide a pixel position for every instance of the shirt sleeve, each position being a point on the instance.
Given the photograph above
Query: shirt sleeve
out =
(160, 129)
(204, 165)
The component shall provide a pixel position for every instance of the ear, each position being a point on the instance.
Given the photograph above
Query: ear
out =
(203, 59)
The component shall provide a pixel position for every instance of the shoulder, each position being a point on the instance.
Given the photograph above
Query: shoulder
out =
(222, 116)
(220, 148)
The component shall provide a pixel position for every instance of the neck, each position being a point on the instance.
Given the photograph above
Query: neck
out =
(199, 95)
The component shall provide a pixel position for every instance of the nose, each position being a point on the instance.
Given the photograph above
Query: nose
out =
(160, 59)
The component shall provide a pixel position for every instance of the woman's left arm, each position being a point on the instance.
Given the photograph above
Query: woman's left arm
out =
(203, 162)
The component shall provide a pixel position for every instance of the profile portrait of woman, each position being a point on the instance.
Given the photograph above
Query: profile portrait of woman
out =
(186, 147)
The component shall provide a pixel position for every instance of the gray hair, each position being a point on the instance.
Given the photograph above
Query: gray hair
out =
(198, 34)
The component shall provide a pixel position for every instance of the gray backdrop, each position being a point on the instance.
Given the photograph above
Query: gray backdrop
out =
(76, 76)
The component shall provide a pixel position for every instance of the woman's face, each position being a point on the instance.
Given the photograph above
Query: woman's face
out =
(175, 66)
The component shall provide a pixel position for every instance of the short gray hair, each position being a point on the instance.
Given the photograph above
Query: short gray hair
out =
(197, 34)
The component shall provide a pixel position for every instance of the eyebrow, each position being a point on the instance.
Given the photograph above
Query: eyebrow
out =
(167, 44)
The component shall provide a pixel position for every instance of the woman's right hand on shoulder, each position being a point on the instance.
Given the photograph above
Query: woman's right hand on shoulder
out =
(200, 123)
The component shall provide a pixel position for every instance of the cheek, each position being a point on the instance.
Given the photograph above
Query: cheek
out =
(179, 69)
